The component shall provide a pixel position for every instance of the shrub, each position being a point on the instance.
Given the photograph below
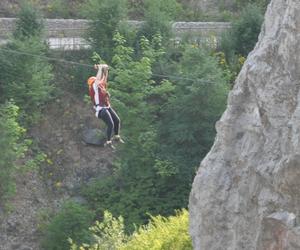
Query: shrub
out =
(11, 148)
(108, 234)
(162, 234)
(73, 222)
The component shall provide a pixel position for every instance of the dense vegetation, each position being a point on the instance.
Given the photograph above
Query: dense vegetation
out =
(161, 233)
(24, 88)
(169, 97)
(188, 11)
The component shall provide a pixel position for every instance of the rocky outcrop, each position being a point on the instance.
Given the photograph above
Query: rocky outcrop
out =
(247, 189)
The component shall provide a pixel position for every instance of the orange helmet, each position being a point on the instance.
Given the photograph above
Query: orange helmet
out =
(91, 80)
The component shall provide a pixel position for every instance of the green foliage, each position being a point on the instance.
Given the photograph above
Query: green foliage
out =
(108, 234)
(164, 143)
(24, 74)
(130, 87)
(73, 222)
(24, 78)
(162, 234)
(29, 22)
(242, 37)
(11, 148)
(186, 128)
(158, 17)
(106, 16)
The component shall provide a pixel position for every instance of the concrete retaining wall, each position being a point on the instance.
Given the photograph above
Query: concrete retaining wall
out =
(69, 31)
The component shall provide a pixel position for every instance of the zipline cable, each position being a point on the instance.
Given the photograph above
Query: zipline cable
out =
(91, 66)
(46, 57)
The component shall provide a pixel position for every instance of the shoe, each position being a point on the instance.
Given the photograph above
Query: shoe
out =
(109, 144)
(118, 138)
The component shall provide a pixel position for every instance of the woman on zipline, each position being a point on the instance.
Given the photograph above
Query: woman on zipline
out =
(100, 98)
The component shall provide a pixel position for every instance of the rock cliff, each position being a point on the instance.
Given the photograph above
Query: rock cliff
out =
(246, 194)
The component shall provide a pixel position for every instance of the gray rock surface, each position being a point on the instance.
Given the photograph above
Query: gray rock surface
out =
(93, 136)
(253, 168)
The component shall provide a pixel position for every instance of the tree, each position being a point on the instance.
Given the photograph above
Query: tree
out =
(25, 75)
(158, 17)
(186, 128)
(105, 16)
(242, 37)
(29, 22)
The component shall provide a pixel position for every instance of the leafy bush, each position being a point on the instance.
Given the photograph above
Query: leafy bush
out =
(73, 222)
(108, 234)
(160, 234)
(11, 148)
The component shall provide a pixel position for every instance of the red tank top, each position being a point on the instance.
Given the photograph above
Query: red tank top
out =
(103, 95)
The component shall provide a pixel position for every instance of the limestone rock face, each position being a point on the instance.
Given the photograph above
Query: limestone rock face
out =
(246, 194)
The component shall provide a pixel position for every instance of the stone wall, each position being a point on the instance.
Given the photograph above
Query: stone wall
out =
(76, 27)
